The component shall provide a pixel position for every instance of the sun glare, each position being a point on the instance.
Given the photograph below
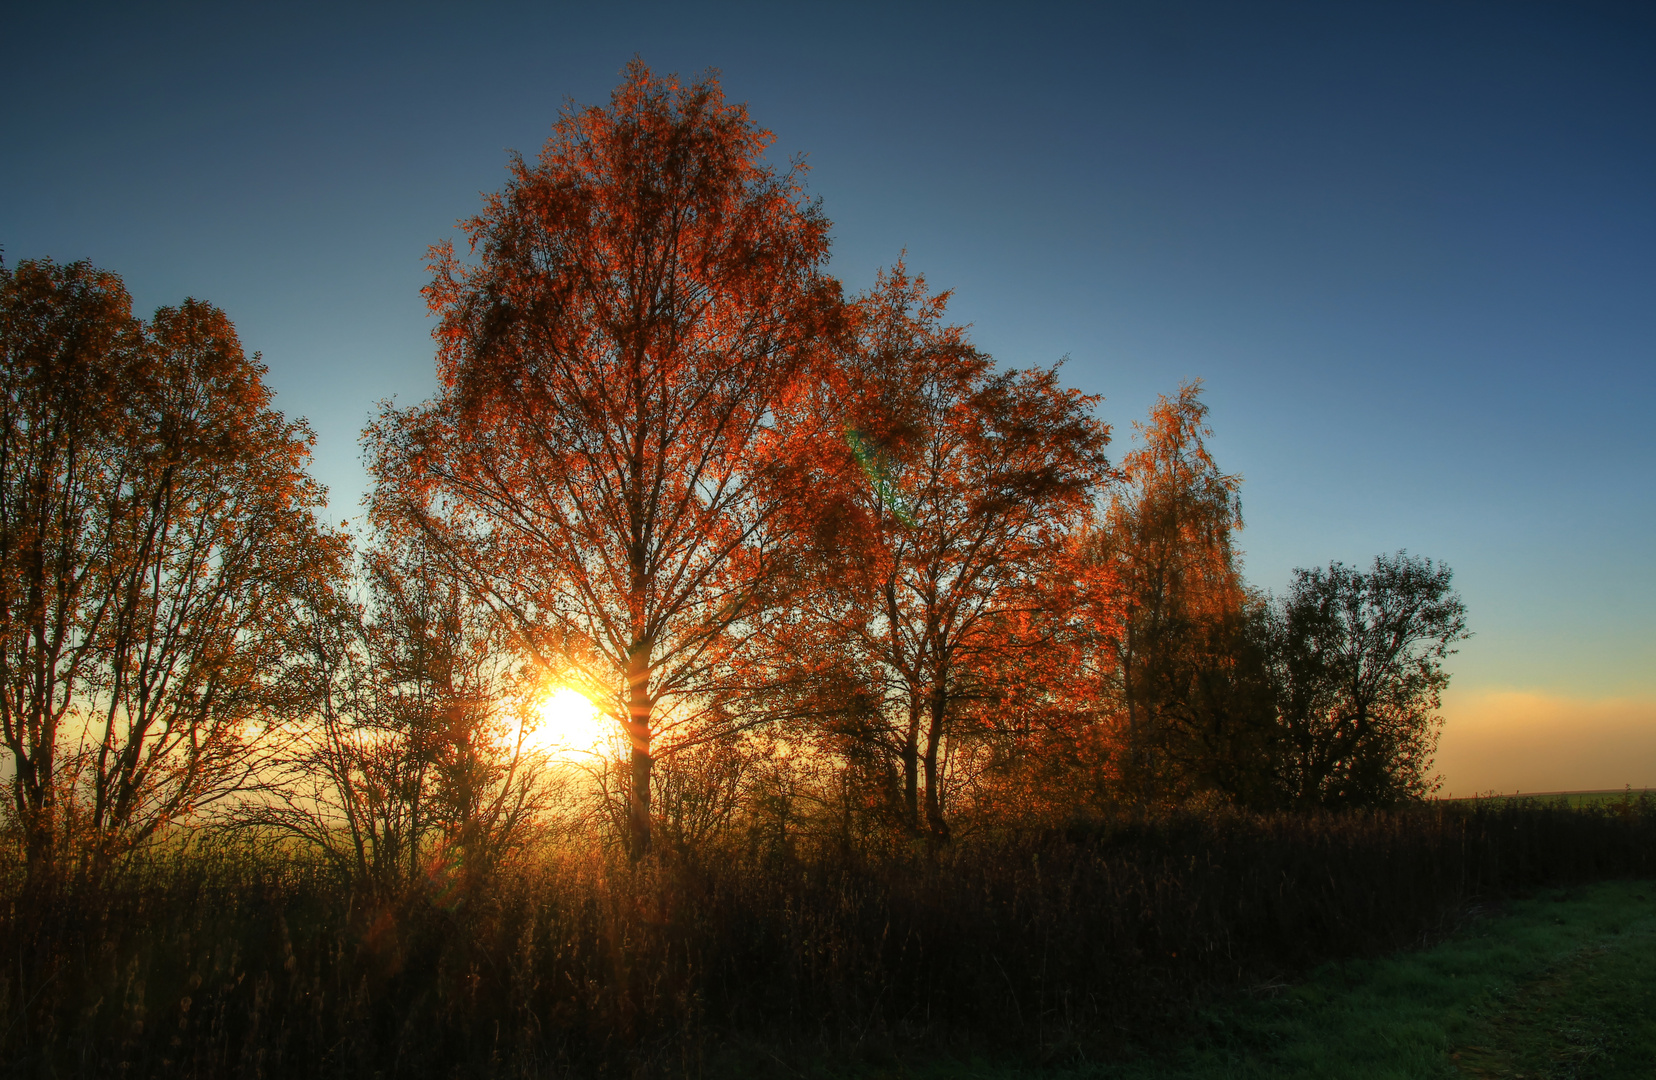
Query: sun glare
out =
(567, 724)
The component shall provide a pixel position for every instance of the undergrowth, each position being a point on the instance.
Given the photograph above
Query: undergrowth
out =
(234, 959)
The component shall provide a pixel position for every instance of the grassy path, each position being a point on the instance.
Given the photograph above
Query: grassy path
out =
(1555, 987)
(1562, 985)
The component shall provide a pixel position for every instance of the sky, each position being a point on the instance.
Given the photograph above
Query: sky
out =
(1409, 248)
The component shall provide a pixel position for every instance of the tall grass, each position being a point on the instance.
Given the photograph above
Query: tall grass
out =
(248, 961)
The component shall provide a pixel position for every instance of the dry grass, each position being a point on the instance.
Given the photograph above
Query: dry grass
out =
(247, 961)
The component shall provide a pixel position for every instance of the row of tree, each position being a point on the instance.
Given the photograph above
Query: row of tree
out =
(807, 550)
(157, 538)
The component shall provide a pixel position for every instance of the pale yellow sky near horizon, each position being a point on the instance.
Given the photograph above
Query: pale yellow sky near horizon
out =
(1506, 741)
(1513, 740)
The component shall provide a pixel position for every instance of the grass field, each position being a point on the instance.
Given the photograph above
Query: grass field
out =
(1573, 799)
(1191, 940)
(1558, 986)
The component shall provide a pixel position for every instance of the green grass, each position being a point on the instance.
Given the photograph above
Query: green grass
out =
(1558, 986)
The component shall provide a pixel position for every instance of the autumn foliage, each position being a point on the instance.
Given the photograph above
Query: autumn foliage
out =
(911, 679)
(627, 373)
(157, 533)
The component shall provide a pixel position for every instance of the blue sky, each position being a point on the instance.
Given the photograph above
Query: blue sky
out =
(1411, 248)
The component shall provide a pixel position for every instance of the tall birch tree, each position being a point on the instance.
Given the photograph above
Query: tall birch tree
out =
(626, 363)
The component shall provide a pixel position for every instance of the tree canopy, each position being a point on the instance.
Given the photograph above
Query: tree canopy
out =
(157, 529)
(626, 368)
(829, 567)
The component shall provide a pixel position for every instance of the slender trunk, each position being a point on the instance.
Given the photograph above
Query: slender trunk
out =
(40, 794)
(40, 772)
(39, 836)
(1129, 691)
(937, 828)
(638, 733)
(911, 763)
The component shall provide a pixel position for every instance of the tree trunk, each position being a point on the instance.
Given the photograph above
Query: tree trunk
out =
(1129, 693)
(39, 837)
(638, 733)
(911, 764)
(36, 781)
(937, 828)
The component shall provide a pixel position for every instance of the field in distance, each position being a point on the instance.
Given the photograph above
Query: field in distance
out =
(1573, 799)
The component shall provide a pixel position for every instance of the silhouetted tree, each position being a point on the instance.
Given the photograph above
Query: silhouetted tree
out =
(209, 568)
(412, 767)
(157, 531)
(1359, 662)
(70, 352)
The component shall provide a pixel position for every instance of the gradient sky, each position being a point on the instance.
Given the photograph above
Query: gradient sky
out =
(1411, 248)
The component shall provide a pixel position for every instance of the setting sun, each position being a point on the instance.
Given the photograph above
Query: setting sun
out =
(567, 723)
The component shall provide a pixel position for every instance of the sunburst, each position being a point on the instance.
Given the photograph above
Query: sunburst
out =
(569, 725)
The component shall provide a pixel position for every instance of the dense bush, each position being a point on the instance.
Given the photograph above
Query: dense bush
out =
(248, 962)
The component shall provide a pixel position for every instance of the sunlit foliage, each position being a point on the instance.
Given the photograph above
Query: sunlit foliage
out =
(949, 521)
(920, 706)
(1188, 690)
(624, 366)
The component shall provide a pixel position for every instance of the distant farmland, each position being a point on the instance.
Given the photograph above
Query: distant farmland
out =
(1572, 799)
